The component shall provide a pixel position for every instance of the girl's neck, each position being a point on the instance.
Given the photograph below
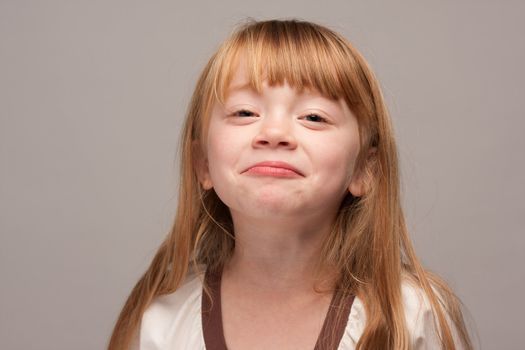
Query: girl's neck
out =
(277, 257)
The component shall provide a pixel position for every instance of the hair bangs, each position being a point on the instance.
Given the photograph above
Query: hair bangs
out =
(302, 56)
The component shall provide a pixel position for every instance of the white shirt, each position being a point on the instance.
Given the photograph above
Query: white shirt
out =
(174, 321)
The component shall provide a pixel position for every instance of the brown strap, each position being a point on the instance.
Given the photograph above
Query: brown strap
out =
(329, 337)
(334, 328)
(212, 313)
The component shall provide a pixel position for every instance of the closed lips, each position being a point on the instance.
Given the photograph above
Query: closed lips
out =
(275, 164)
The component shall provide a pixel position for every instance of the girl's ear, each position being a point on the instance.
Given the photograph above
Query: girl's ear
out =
(361, 179)
(200, 163)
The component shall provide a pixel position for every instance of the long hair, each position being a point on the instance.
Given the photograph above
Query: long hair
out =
(368, 247)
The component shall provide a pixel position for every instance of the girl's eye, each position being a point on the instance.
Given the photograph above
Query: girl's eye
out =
(315, 118)
(243, 113)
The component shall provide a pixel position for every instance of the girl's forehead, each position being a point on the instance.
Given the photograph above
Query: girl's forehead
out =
(245, 88)
(245, 74)
(284, 89)
(240, 80)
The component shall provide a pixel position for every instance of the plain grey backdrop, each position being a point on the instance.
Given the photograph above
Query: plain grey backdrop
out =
(92, 98)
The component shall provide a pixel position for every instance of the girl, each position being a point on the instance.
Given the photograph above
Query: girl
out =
(289, 232)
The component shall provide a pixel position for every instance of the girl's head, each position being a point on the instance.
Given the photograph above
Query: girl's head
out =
(301, 54)
(303, 59)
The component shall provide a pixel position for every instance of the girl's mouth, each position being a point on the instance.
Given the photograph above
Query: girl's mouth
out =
(274, 168)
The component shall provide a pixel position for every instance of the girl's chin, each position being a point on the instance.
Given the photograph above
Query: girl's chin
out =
(272, 209)
(269, 201)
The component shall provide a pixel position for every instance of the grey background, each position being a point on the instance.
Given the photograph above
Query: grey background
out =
(92, 97)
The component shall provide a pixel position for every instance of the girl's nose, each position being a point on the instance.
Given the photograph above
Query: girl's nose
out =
(275, 132)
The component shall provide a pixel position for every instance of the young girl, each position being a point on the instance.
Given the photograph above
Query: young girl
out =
(289, 232)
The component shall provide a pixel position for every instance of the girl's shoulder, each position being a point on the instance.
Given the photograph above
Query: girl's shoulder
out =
(419, 316)
(188, 290)
(174, 318)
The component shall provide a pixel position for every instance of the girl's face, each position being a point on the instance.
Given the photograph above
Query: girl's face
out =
(316, 136)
